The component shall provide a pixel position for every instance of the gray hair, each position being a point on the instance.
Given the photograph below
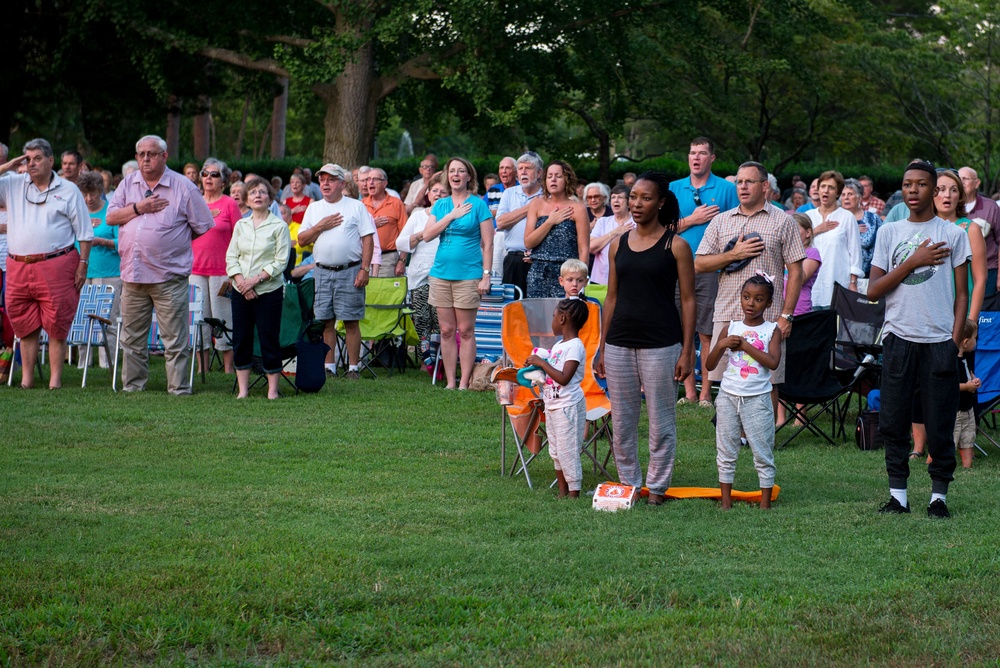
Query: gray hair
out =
(532, 159)
(39, 145)
(159, 142)
(855, 185)
(364, 169)
(601, 188)
(3, 151)
(223, 168)
(129, 167)
(506, 158)
(381, 172)
(772, 181)
(92, 182)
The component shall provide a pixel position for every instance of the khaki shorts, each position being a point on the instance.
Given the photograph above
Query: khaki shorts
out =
(965, 429)
(454, 294)
(777, 376)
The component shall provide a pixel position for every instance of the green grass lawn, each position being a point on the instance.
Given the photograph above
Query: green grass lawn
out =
(369, 525)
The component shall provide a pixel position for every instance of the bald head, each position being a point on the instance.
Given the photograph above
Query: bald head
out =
(970, 182)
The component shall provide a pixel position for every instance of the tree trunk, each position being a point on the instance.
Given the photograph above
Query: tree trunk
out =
(279, 120)
(203, 128)
(243, 128)
(351, 108)
(173, 137)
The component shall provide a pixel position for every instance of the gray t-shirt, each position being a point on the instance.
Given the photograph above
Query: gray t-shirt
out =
(921, 308)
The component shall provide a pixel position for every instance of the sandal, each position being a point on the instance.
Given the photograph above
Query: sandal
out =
(705, 403)
(684, 400)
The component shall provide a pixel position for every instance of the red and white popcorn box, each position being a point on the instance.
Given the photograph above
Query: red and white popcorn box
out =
(613, 496)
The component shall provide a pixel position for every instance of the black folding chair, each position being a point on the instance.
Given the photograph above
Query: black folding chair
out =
(810, 380)
(858, 348)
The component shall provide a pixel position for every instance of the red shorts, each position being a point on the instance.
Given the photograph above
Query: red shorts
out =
(43, 294)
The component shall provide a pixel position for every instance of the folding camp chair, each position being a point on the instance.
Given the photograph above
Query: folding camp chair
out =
(987, 368)
(387, 324)
(292, 325)
(527, 324)
(810, 380)
(89, 325)
(489, 318)
(196, 308)
(858, 347)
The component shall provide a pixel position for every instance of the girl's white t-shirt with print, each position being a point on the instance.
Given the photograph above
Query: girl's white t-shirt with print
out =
(561, 396)
(744, 376)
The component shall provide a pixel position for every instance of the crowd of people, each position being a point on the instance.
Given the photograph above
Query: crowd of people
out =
(721, 263)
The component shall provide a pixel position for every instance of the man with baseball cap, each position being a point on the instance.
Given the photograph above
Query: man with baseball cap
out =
(341, 231)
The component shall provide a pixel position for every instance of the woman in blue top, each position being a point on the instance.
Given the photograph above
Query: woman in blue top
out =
(461, 271)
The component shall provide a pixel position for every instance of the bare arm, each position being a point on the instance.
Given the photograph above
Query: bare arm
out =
(434, 227)
(582, 236)
(926, 255)
(562, 377)
(961, 301)
(979, 272)
(721, 346)
(608, 309)
(685, 279)
(512, 218)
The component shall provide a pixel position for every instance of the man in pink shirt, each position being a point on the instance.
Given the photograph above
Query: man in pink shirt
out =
(160, 212)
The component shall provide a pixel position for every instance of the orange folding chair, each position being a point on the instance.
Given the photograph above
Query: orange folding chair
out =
(527, 324)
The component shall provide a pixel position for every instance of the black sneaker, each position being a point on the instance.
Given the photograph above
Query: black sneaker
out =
(894, 507)
(938, 509)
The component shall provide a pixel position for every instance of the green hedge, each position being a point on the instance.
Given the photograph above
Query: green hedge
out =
(885, 177)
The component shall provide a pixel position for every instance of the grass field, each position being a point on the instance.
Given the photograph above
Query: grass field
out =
(369, 525)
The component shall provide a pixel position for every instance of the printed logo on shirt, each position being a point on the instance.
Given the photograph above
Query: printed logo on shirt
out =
(903, 251)
(740, 362)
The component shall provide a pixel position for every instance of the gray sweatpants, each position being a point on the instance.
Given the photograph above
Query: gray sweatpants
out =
(756, 416)
(632, 372)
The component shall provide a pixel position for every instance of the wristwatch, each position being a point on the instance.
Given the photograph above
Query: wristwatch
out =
(787, 316)
(486, 272)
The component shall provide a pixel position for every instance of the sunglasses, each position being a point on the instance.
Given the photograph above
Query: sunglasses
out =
(697, 198)
(214, 175)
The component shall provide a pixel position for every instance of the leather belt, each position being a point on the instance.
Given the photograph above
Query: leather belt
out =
(40, 257)
(339, 267)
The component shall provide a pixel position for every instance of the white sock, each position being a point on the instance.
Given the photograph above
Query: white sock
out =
(899, 495)
(331, 367)
(353, 367)
(935, 496)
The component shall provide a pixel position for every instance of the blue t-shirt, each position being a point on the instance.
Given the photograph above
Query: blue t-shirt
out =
(716, 192)
(459, 255)
(808, 206)
(104, 262)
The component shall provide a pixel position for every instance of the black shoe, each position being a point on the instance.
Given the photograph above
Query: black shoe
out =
(894, 507)
(938, 509)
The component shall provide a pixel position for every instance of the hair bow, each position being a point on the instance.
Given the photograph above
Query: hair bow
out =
(765, 276)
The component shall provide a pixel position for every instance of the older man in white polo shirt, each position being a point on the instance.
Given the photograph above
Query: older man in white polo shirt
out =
(512, 213)
(341, 231)
(46, 216)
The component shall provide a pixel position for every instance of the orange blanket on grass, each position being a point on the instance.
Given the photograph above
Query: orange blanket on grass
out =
(712, 493)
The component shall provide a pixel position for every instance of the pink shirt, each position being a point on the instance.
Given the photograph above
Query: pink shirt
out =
(210, 248)
(156, 247)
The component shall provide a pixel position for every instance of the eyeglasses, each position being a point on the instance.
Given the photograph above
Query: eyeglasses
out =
(747, 182)
(214, 175)
(697, 198)
(45, 196)
(942, 170)
(426, 166)
(376, 178)
(142, 155)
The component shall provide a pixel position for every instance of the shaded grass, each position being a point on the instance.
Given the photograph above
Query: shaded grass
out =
(368, 524)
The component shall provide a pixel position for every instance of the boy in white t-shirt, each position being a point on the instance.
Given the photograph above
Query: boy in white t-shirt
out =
(565, 405)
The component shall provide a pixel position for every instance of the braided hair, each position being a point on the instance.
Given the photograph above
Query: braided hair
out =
(757, 279)
(576, 310)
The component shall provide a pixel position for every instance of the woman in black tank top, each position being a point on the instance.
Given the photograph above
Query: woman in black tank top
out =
(647, 346)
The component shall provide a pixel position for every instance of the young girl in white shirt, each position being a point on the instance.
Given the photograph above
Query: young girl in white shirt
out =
(565, 405)
(744, 401)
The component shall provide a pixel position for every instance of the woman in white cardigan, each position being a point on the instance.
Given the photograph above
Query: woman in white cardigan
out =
(836, 237)
(420, 253)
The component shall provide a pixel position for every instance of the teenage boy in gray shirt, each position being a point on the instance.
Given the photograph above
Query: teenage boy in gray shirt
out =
(919, 267)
